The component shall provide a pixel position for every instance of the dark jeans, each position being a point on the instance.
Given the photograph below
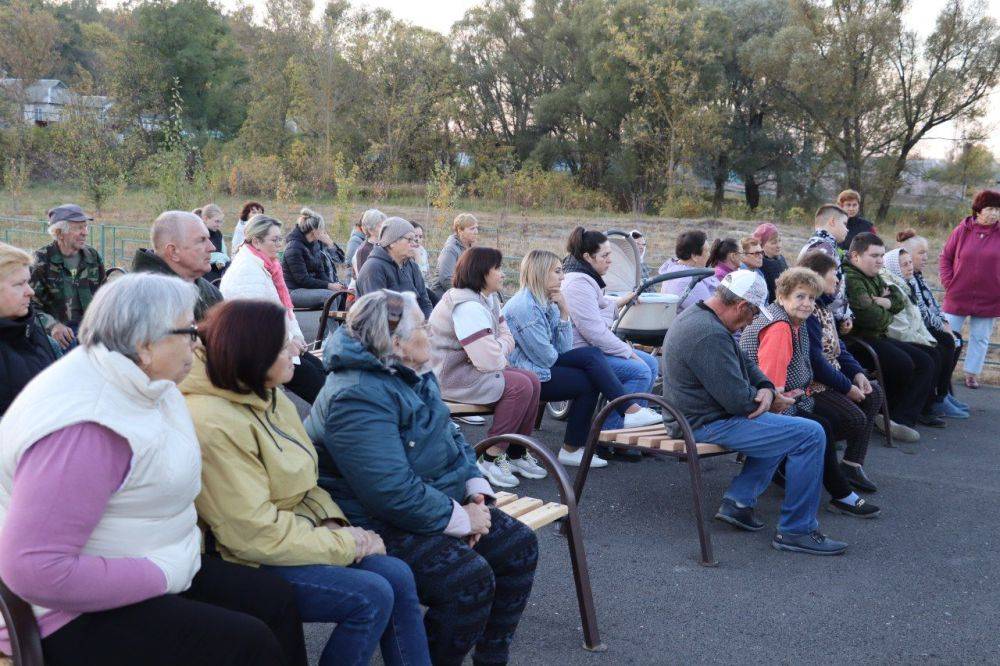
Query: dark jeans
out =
(232, 615)
(851, 421)
(909, 376)
(833, 478)
(308, 378)
(373, 602)
(474, 596)
(581, 375)
(946, 355)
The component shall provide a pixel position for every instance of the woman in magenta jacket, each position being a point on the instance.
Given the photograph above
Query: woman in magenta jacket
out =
(970, 274)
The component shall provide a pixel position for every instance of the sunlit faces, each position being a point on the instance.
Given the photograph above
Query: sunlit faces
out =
(170, 357)
(553, 280)
(15, 293)
(283, 368)
(870, 261)
(798, 305)
(754, 257)
(469, 235)
(851, 206)
(772, 248)
(271, 243)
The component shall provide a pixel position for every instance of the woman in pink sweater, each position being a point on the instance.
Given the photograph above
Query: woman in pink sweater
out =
(970, 275)
(99, 468)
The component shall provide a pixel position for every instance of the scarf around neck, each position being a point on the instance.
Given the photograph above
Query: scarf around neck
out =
(573, 265)
(273, 267)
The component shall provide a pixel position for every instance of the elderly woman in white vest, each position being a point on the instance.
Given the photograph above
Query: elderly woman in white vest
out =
(257, 273)
(99, 469)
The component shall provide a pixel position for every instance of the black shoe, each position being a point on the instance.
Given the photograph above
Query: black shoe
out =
(604, 451)
(860, 509)
(779, 478)
(931, 421)
(856, 477)
(815, 543)
(741, 517)
(628, 455)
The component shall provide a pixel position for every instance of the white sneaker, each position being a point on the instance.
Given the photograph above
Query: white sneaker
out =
(644, 417)
(574, 459)
(498, 471)
(527, 467)
(472, 420)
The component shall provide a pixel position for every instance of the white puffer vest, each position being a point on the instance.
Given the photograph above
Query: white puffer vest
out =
(152, 515)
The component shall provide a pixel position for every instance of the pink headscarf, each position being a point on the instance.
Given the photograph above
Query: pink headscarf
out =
(273, 267)
(765, 232)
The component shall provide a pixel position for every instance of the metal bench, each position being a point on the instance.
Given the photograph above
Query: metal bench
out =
(25, 641)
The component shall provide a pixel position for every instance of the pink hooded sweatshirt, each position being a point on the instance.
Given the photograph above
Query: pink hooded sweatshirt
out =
(970, 270)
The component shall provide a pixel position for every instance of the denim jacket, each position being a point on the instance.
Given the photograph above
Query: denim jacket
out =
(539, 335)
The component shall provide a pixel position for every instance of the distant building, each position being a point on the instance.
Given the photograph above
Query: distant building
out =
(47, 100)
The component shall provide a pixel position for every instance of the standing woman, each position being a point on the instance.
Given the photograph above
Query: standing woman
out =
(970, 274)
(470, 347)
(25, 350)
(725, 257)
(934, 319)
(256, 273)
(261, 504)
(466, 232)
(213, 217)
(543, 335)
(778, 342)
(593, 314)
(774, 262)
(840, 388)
(99, 470)
(250, 209)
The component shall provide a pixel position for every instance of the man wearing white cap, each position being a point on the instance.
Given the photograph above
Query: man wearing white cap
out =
(730, 402)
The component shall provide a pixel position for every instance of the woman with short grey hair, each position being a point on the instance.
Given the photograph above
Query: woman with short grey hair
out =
(396, 465)
(99, 469)
(371, 221)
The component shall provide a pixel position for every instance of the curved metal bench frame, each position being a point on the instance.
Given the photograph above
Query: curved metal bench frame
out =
(858, 343)
(25, 639)
(572, 530)
(690, 455)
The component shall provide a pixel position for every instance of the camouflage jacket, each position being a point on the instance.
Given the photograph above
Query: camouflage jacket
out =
(55, 285)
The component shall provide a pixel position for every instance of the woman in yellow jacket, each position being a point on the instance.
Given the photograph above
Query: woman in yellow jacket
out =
(260, 501)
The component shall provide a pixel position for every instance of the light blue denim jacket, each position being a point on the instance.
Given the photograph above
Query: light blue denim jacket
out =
(538, 333)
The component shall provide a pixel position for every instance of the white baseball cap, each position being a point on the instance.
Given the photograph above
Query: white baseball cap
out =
(751, 287)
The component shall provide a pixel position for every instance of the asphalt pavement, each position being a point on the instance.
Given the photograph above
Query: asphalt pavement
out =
(918, 584)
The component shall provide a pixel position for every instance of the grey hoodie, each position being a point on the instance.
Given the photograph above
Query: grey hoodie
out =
(447, 259)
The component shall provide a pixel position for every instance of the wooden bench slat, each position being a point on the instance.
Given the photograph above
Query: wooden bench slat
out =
(505, 498)
(635, 437)
(608, 436)
(461, 409)
(544, 515)
(677, 446)
(521, 506)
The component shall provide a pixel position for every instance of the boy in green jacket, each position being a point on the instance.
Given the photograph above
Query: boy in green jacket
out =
(907, 370)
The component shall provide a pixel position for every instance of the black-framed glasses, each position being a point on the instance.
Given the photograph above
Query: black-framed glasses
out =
(191, 331)
(758, 253)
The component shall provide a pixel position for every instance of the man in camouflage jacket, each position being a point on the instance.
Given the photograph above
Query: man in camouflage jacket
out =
(66, 274)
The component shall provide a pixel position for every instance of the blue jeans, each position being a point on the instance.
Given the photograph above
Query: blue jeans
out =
(636, 377)
(372, 601)
(980, 330)
(766, 441)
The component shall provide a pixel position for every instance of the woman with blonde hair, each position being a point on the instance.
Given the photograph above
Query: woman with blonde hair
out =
(25, 350)
(256, 273)
(543, 343)
(466, 232)
(211, 214)
(309, 270)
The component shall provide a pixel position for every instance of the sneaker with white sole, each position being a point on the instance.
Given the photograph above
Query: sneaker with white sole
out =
(644, 417)
(471, 420)
(574, 459)
(527, 467)
(498, 472)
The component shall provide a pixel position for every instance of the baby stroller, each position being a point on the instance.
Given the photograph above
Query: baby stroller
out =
(646, 318)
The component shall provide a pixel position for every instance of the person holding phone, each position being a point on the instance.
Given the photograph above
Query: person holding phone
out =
(777, 340)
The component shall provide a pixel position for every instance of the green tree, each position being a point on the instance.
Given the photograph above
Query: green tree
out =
(971, 165)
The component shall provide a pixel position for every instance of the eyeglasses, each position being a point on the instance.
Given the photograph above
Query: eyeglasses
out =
(277, 240)
(758, 253)
(411, 239)
(191, 331)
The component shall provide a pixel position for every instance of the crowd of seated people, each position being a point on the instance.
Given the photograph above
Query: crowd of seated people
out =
(206, 521)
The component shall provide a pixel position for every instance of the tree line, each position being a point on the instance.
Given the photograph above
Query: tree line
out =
(635, 99)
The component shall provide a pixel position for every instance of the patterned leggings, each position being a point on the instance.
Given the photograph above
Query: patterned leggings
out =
(851, 421)
(475, 597)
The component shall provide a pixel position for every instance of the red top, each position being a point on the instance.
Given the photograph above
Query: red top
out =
(970, 270)
(774, 352)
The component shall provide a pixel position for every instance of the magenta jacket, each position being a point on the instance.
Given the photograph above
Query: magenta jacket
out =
(970, 270)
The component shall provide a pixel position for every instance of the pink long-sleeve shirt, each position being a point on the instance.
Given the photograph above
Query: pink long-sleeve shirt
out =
(62, 485)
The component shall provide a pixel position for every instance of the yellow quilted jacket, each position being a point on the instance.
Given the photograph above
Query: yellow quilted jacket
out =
(259, 494)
